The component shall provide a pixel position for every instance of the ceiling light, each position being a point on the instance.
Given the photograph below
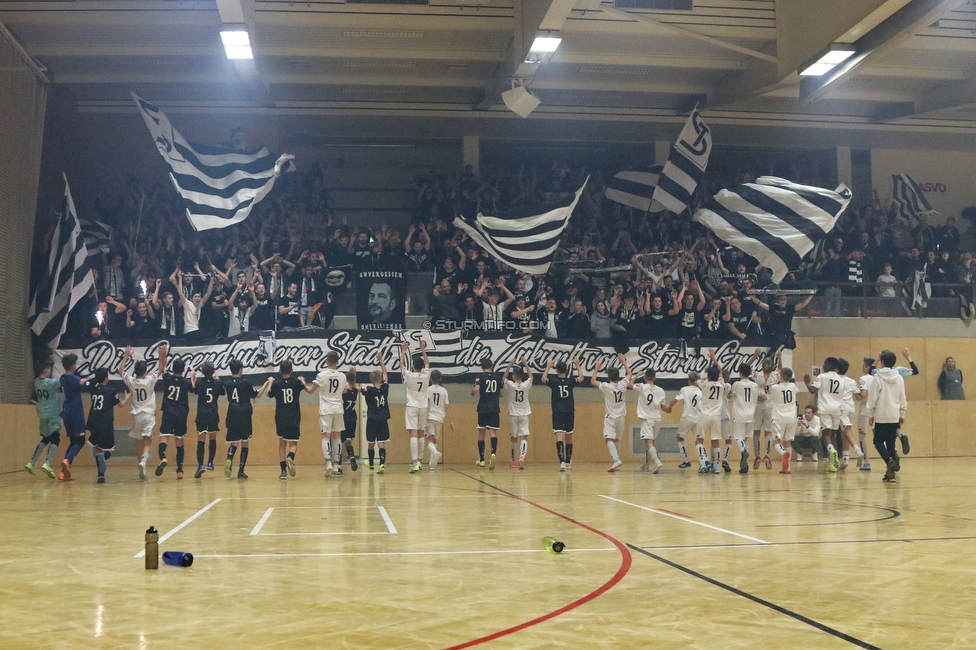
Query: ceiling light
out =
(237, 44)
(827, 61)
(543, 48)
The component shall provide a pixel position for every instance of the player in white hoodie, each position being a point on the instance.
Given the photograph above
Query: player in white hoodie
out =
(886, 406)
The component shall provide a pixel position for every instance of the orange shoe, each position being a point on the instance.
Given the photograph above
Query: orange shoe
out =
(786, 463)
(65, 473)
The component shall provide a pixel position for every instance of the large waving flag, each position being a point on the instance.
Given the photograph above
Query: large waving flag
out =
(219, 186)
(97, 235)
(909, 199)
(524, 237)
(686, 165)
(774, 220)
(636, 189)
(67, 277)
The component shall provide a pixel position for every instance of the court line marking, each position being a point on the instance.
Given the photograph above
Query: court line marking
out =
(686, 520)
(384, 498)
(387, 520)
(356, 507)
(761, 601)
(626, 561)
(398, 553)
(320, 534)
(183, 525)
(262, 521)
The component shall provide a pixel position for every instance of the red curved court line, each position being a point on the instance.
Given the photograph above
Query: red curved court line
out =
(625, 561)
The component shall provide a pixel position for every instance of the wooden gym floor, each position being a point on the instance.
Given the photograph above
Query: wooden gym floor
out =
(454, 559)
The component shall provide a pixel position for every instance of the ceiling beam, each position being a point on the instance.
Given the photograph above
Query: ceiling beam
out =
(943, 97)
(898, 27)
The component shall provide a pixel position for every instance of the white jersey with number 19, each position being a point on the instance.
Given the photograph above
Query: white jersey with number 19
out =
(332, 384)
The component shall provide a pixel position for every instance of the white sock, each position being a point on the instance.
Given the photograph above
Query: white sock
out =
(327, 450)
(742, 446)
(684, 448)
(780, 449)
(523, 447)
(613, 450)
(716, 456)
(728, 449)
(769, 444)
(336, 450)
(702, 453)
(830, 448)
(145, 457)
(433, 449)
(414, 448)
(758, 444)
(653, 452)
(863, 438)
(858, 452)
(847, 455)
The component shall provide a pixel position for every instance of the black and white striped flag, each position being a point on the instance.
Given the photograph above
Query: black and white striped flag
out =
(67, 277)
(686, 165)
(774, 220)
(524, 237)
(219, 186)
(97, 235)
(908, 198)
(635, 189)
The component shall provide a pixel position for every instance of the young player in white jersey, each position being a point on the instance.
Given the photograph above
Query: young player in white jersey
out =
(847, 416)
(518, 407)
(725, 423)
(828, 386)
(143, 388)
(437, 403)
(714, 393)
(863, 386)
(746, 396)
(783, 397)
(614, 398)
(331, 421)
(766, 378)
(416, 381)
(690, 398)
(649, 400)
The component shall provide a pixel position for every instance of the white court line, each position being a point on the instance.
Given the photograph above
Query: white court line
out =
(199, 512)
(383, 498)
(389, 522)
(314, 534)
(686, 520)
(264, 519)
(356, 507)
(404, 553)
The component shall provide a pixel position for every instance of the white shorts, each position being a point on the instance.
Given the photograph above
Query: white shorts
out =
(845, 419)
(520, 425)
(829, 421)
(613, 428)
(784, 431)
(434, 428)
(142, 425)
(726, 429)
(415, 418)
(766, 418)
(331, 422)
(686, 426)
(709, 427)
(742, 430)
(650, 429)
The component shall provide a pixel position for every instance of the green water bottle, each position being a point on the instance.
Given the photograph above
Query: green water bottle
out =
(553, 545)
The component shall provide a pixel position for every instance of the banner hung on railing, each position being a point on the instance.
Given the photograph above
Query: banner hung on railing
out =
(457, 358)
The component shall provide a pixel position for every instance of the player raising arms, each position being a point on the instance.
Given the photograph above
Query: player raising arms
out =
(563, 408)
(714, 392)
(176, 409)
(437, 411)
(416, 379)
(847, 415)
(745, 397)
(649, 412)
(766, 378)
(377, 414)
(142, 386)
(690, 397)
(614, 399)
(286, 390)
(783, 397)
(333, 385)
(47, 400)
(863, 385)
(239, 413)
(519, 409)
(207, 389)
(73, 412)
(350, 422)
(101, 419)
(489, 386)
(828, 386)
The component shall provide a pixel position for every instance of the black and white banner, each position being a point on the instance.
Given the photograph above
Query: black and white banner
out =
(455, 357)
(381, 298)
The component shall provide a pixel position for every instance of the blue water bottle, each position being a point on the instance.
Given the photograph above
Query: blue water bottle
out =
(178, 558)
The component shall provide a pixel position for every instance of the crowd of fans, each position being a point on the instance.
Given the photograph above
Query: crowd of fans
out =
(619, 273)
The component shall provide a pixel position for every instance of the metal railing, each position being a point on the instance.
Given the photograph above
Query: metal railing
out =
(869, 300)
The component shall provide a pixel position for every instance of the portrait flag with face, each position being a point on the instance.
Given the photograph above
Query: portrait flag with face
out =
(381, 300)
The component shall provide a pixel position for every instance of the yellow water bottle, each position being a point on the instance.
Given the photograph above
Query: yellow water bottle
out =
(553, 545)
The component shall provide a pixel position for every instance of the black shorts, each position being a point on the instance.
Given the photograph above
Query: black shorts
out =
(488, 420)
(350, 431)
(172, 425)
(238, 429)
(208, 424)
(288, 430)
(564, 422)
(53, 439)
(377, 430)
(102, 437)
